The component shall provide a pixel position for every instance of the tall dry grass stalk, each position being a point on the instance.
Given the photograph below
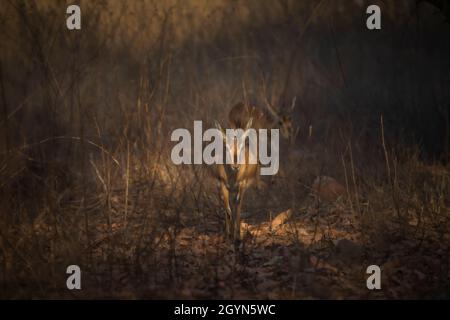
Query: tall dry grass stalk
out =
(85, 170)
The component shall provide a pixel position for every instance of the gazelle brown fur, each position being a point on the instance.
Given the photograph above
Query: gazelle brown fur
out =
(235, 179)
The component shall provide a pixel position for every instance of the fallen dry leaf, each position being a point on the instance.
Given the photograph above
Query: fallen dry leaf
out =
(281, 218)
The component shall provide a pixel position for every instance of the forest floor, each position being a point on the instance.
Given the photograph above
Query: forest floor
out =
(317, 250)
(167, 242)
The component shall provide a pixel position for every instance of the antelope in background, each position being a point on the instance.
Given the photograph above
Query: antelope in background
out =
(235, 179)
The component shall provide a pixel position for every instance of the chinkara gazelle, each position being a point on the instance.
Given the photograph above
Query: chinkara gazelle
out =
(234, 179)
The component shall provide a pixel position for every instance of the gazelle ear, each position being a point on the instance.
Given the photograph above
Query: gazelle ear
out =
(249, 124)
(219, 127)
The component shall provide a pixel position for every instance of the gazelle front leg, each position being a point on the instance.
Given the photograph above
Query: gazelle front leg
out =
(225, 197)
(239, 198)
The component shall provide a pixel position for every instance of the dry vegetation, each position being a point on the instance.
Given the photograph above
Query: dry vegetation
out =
(85, 170)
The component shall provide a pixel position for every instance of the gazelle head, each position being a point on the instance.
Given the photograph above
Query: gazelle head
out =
(237, 143)
(284, 120)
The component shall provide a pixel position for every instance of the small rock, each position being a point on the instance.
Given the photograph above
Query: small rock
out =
(327, 188)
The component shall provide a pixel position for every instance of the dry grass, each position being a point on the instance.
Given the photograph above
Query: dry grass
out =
(86, 176)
